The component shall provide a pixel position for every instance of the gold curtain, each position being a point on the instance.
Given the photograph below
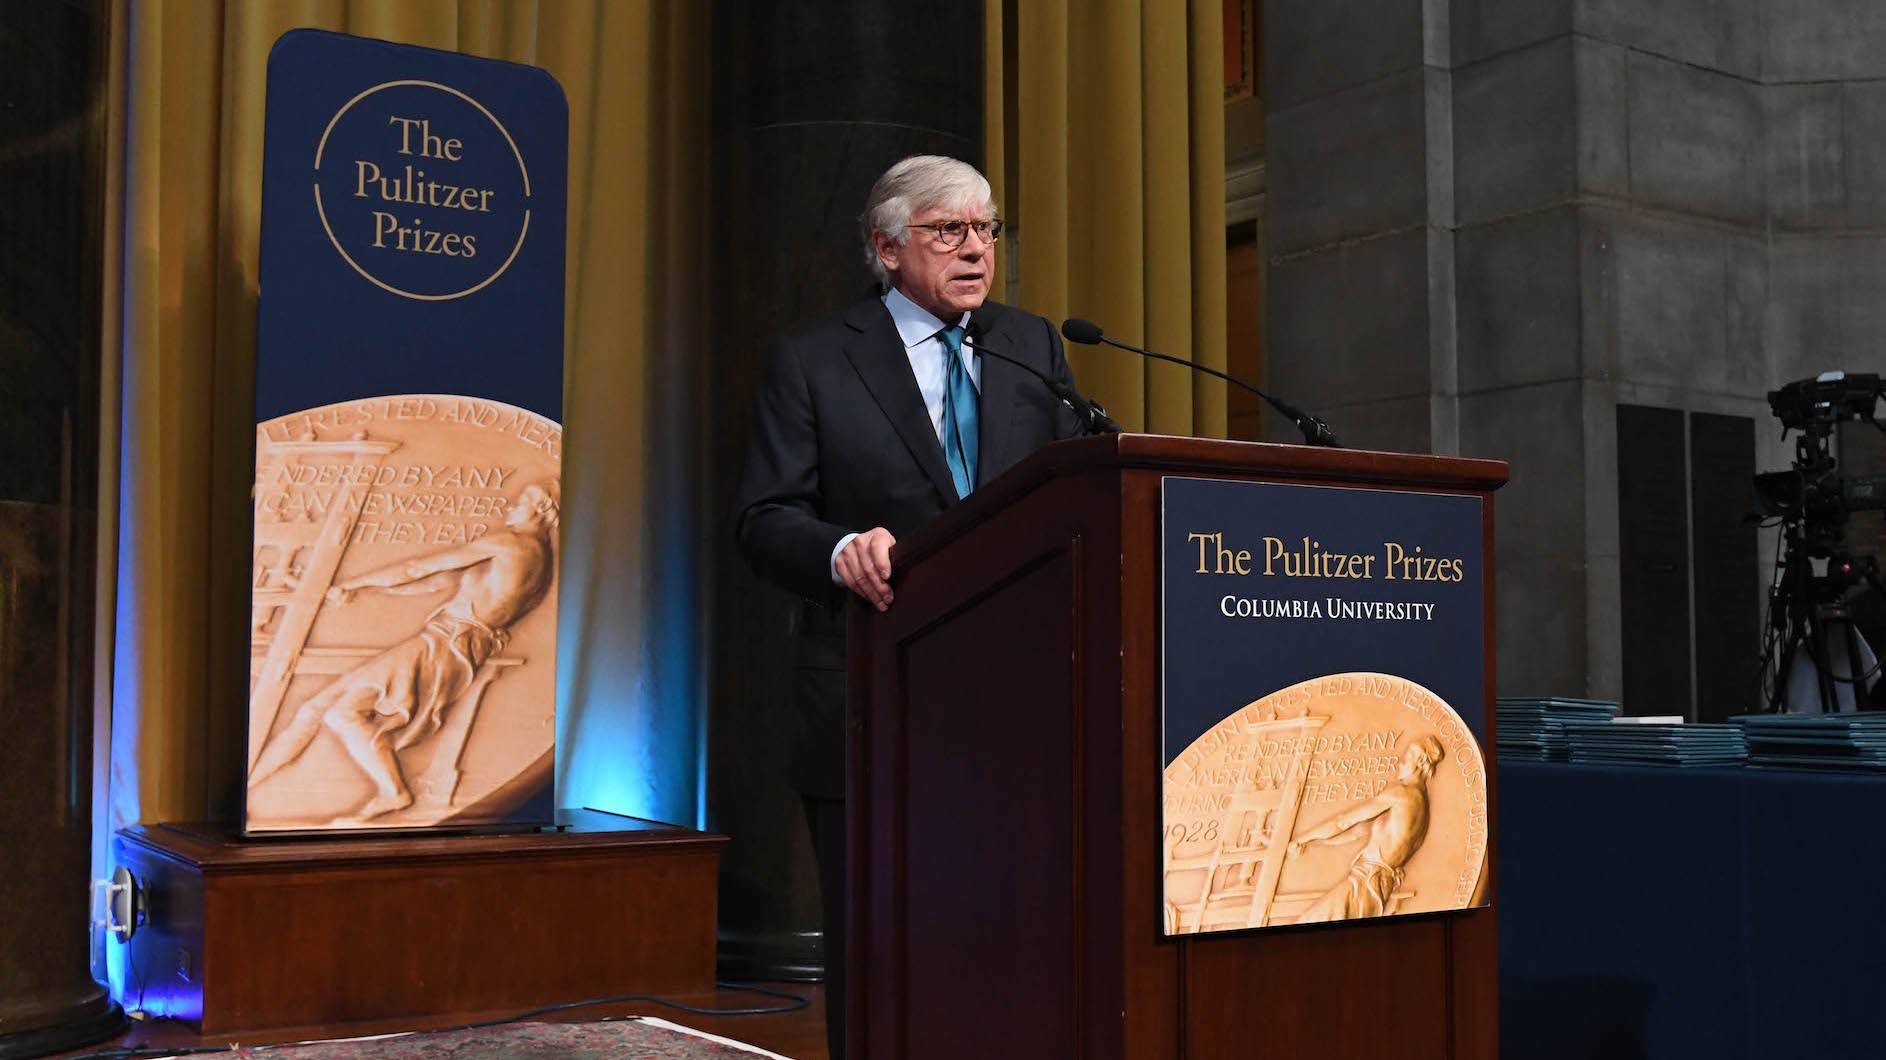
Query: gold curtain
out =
(193, 73)
(1104, 130)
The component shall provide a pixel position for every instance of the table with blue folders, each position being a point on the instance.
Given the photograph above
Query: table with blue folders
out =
(1659, 912)
(1560, 729)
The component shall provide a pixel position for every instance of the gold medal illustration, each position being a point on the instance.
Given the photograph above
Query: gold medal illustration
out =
(403, 627)
(1348, 796)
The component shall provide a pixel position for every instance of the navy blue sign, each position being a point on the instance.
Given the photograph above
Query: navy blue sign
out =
(409, 393)
(412, 227)
(1267, 585)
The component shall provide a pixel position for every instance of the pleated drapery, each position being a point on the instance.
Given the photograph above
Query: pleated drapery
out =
(181, 336)
(1105, 144)
(1105, 140)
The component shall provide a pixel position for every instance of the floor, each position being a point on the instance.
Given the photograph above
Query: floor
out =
(800, 1034)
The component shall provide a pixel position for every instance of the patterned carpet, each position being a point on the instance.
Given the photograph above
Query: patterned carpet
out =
(630, 1038)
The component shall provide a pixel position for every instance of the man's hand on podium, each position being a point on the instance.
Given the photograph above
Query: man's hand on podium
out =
(864, 566)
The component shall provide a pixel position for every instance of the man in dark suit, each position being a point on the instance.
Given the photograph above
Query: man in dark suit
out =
(868, 423)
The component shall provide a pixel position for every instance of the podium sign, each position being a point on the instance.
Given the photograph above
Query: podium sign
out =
(1322, 683)
(409, 384)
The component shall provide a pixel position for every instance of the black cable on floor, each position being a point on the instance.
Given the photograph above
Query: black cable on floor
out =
(794, 1004)
(138, 1051)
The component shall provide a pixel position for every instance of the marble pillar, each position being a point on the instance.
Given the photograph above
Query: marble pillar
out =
(52, 79)
(812, 101)
(1505, 227)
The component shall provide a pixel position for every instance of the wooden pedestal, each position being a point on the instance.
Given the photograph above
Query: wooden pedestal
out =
(251, 935)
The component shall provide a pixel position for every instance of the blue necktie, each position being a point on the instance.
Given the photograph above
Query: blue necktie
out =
(959, 414)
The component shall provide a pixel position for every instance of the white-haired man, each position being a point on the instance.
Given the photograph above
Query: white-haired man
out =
(865, 425)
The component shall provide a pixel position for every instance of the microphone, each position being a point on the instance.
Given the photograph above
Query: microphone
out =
(1315, 431)
(1094, 419)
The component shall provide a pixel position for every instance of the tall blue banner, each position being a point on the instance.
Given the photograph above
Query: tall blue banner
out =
(1323, 698)
(409, 393)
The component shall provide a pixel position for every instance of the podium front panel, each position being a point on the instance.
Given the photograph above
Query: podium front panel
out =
(1314, 643)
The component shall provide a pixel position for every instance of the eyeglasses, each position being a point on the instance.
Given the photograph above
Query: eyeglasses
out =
(952, 233)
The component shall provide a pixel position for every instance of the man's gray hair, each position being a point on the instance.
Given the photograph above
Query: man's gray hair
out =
(917, 183)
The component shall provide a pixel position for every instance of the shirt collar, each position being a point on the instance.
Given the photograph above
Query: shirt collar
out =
(914, 323)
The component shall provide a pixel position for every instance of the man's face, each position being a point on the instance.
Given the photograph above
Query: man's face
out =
(946, 282)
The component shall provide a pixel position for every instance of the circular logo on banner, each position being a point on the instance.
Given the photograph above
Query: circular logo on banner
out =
(422, 190)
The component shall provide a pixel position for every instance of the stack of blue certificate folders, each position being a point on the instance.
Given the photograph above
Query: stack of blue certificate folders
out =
(1532, 729)
(1668, 743)
(1839, 742)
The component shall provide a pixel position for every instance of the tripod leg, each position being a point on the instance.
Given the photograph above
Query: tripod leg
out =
(1778, 698)
(1823, 664)
(1815, 640)
(1871, 694)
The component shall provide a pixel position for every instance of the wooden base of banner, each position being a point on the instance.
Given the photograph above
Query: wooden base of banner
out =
(248, 935)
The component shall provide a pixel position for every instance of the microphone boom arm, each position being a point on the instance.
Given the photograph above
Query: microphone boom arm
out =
(1094, 419)
(1315, 431)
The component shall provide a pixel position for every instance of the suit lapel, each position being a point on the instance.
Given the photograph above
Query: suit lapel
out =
(877, 354)
(994, 411)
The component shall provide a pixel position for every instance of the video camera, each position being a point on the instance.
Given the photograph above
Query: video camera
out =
(1810, 488)
(1825, 400)
(1811, 632)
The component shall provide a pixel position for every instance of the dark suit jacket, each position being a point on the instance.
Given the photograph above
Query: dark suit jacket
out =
(841, 443)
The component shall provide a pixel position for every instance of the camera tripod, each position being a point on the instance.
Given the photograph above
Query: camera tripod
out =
(1811, 623)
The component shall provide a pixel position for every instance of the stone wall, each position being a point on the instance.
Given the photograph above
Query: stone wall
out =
(1492, 222)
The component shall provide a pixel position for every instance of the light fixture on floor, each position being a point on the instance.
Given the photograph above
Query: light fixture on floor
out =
(124, 904)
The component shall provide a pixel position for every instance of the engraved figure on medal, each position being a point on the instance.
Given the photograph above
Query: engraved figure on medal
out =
(1263, 810)
(429, 664)
(1392, 825)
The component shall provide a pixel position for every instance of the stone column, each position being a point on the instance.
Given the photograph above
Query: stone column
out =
(812, 102)
(51, 177)
(1358, 146)
(1494, 223)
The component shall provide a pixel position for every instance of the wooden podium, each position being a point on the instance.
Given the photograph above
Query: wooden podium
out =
(1005, 781)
